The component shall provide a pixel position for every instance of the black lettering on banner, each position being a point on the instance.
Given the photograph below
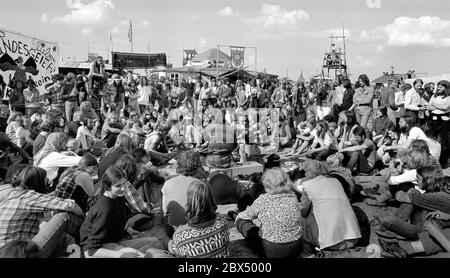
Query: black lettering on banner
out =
(27, 51)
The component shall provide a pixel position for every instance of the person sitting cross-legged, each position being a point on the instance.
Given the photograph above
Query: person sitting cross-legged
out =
(279, 212)
(362, 155)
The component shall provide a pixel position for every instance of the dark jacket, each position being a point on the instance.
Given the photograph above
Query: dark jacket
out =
(347, 100)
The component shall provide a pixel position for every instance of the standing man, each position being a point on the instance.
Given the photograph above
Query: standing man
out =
(387, 98)
(413, 104)
(97, 78)
(31, 95)
(55, 92)
(70, 96)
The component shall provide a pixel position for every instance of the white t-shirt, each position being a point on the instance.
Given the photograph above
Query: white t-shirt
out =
(52, 162)
(416, 134)
(144, 95)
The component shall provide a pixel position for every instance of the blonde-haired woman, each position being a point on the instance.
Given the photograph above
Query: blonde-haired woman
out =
(206, 233)
(329, 220)
(51, 156)
(278, 210)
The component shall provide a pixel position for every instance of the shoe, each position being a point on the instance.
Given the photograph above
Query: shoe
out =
(389, 234)
(392, 247)
(232, 215)
(375, 203)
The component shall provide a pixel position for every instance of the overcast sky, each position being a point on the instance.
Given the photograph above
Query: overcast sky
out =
(291, 35)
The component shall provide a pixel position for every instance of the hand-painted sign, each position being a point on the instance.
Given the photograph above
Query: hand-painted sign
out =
(24, 58)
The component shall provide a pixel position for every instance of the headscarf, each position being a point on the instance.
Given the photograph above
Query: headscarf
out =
(55, 142)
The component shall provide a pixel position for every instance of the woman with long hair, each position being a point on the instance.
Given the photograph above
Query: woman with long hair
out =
(439, 106)
(206, 233)
(52, 157)
(278, 210)
(321, 148)
(123, 145)
(346, 125)
(145, 91)
(363, 100)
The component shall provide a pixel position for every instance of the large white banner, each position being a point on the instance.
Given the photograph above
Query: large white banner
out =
(23, 58)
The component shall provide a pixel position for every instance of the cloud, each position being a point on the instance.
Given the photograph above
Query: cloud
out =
(44, 18)
(85, 14)
(122, 27)
(363, 62)
(194, 17)
(202, 43)
(431, 31)
(227, 11)
(275, 22)
(87, 31)
(144, 24)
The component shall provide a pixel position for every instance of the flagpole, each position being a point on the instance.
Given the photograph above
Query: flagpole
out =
(130, 34)
(148, 49)
(112, 43)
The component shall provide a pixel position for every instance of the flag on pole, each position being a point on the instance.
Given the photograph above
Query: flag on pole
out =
(110, 36)
(130, 33)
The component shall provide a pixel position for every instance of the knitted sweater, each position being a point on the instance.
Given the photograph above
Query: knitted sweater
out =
(202, 241)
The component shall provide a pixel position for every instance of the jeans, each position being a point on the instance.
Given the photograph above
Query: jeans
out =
(264, 248)
(48, 237)
(190, 101)
(362, 114)
(70, 107)
(324, 154)
(359, 160)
